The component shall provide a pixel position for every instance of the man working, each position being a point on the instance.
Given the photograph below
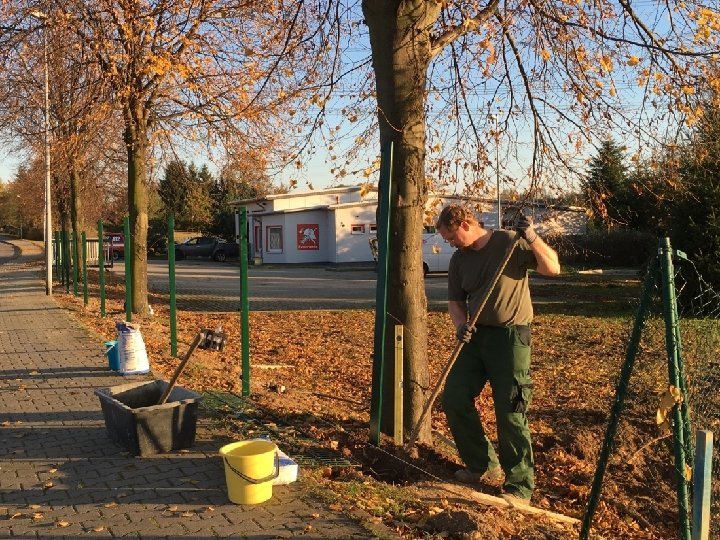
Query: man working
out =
(497, 349)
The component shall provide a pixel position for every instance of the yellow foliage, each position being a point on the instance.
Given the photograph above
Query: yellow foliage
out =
(633, 61)
(606, 63)
(545, 54)
(580, 53)
(671, 397)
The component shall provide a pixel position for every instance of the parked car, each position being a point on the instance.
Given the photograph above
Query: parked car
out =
(117, 241)
(436, 253)
(206, 246)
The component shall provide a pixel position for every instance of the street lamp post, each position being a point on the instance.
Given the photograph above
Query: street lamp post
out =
(47, 234)
(497, 170)
(21, 215)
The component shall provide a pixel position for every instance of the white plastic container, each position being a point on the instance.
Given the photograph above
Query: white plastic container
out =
(288, 467)
(288, 470)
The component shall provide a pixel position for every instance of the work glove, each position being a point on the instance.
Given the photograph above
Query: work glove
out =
(524, 227)
(465, 332)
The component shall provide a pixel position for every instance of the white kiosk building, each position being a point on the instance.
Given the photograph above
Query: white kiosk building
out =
(335, 225)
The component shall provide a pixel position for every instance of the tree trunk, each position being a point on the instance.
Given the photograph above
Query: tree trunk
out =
(75, 217)
(401, 55)
(136, 142)
(62, 213)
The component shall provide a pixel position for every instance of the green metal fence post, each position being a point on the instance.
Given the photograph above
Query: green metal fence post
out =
(101, 266)
(61, 248)
(84, 268)
(171, 279)
(127, 250)
(684, 412)
(66, 261)
(383, 236)
(244, 302)
(57, 252)
(75, 262)
(620, 393)
(672, 348)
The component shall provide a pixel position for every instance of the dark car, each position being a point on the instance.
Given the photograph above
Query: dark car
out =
(206, 246)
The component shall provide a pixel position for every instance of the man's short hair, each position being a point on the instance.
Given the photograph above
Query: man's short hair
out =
(453, 215)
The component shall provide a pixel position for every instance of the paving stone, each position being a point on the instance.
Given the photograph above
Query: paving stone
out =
(49, 369)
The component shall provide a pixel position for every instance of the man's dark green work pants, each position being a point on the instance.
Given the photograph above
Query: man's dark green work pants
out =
(501, 356)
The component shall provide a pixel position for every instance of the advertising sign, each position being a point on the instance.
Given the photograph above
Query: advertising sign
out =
(308, 236)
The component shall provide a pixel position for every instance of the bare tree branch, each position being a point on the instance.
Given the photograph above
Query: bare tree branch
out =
(469, 25)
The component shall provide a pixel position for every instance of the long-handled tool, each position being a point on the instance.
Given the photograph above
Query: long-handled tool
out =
(459, 346)
(179, 368)
(205, 339)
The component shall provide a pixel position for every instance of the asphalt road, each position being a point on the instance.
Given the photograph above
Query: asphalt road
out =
(6, 252)
(211, 286)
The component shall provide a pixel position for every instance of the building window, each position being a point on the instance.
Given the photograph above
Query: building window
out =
(274, 239)
(357, 229)
(373, 228)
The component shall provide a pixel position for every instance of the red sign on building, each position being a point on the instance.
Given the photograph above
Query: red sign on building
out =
(308, 236)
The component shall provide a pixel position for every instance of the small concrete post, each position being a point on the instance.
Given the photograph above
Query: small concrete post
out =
(702, 485)
(398, 411)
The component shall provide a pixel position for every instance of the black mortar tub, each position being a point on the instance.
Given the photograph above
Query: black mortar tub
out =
(135, 421)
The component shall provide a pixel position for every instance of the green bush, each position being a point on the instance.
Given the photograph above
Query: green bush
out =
(623, 248)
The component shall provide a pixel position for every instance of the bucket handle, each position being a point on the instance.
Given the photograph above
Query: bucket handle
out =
(271, 476)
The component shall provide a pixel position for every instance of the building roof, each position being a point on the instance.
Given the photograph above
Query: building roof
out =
(371, 202)
(329, 191)
(351, 189)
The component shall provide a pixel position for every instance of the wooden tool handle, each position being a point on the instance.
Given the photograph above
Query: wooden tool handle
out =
(178, 370)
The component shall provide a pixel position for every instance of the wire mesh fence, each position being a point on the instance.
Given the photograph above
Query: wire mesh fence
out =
(699, 308)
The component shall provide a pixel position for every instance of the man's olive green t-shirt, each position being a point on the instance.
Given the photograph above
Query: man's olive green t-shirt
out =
(471, 272)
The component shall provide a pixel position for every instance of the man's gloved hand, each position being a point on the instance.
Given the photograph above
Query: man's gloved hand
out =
(524, 227)
(465, 332)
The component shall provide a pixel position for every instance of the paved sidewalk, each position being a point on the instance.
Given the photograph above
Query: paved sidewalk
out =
(60, 474)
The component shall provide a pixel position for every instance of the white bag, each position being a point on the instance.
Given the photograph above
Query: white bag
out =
(133, 356)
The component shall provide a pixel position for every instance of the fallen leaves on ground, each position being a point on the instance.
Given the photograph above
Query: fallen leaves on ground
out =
(322, 361)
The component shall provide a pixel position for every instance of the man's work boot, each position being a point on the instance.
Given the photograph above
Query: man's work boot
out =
(466, 476)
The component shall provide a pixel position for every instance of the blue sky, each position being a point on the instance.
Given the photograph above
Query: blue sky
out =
(486, 96)
(8, 166)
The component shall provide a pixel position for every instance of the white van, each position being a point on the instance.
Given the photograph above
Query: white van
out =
(436, 253)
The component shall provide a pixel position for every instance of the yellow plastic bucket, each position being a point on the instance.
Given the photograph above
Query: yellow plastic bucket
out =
(250, 468)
